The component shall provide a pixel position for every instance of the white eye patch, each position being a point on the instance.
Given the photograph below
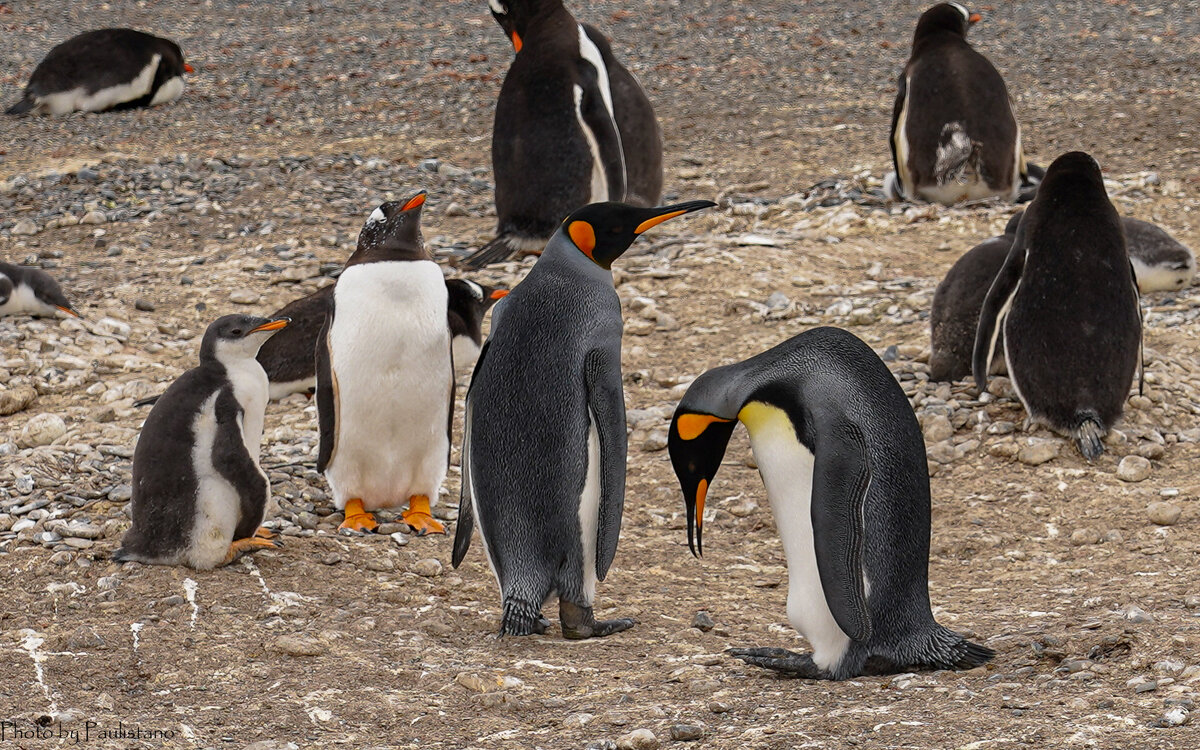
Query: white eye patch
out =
(966, 14)
(376, 217)
(497, 7)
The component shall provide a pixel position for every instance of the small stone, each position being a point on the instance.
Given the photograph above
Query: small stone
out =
(307, 520)
(1163, 513)
(938, 428)
(380, 564)
(332, 558)
(1036, 452)
(400, 538)
(94, 217)
(244, 296)
(25, 227)
(429, 568)
(13, 400)
(298, 645)
(42, 429)
(143, 305)
(703, 621)
(1133, 469)
(655, 441)
(578, 721)
(387, 529)
(638, 739)
(778, 301)
(1148, 686)
(457, 209)
(1176, 716)
(60, 558)
(686, 732)
(1136, 614)
(1083, 537)
(717, 707)
(601, 745)
(84, 638)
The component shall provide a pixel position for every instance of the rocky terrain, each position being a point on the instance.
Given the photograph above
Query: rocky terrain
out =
(249, 192)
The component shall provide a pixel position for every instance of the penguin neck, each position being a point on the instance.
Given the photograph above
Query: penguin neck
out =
(553, 21)
(562, 253)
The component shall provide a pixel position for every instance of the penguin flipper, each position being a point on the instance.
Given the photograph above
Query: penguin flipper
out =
(897, 108)
(466, 500)
(841, 476)
(1141, 333)
(990, 320)
(499, 249)
(235, 464)
(148, 401)
(26, 104)
(598, 119)
(326, 396)
(606, 404)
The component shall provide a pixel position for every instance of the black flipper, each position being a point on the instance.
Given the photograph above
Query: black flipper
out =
(841, 476)
(1141, 333)
(326, 395)
(606, 403)
(466, 510)
(500, 249)
(599, 120)
(20, 107)
(1003, 287)
(148, 401)
(235, 464)
(897, 108)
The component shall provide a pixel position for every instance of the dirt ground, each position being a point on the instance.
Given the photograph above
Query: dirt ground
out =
(302, 116)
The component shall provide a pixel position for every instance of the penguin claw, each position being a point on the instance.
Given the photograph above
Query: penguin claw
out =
(264, 533)
(780, 660)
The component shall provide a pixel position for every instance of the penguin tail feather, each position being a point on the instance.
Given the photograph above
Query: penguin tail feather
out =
(1088, 433)
(148, 401)
(21, 107)
(949, 650)
(500, 249)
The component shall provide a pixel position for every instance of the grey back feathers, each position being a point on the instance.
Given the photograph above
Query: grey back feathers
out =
(31, 291)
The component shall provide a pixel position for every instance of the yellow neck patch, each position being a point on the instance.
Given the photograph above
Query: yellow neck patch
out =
(761, 417)
(692, 426)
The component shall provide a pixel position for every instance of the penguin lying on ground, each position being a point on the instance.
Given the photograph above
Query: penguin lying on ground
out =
(199, 494)
(289, 357)
(105, 69)
(1160, 263)
(31, 291)
(1067, 302)
(572, 127)
(843, 461)
(385, 381)
(543, 457)
(954, 136)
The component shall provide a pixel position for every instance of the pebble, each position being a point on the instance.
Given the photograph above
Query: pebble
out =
(43, 429)
(1037, 451)
(638, 739)
(1133, 469)
(1174, 717)
(13, 400)
(1083, 537)
(1163, 513)
(25, 227)
(298, 645)
(400, 538)
(1136, 614)
(143, 305)
(244, 297)
(655, 441)
(703, 621)
(429, 568)
(94, 217)
(380, 564)
(686, 732)
(938, 428)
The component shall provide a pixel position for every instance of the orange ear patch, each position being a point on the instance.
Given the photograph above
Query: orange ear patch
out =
(656, 221)
(701, 493)
(517, 43)
(692, 426)
(413, 202)
(584, 237)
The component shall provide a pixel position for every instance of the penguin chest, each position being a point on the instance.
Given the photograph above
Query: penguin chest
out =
(250, 389)
(218, 501)
(787, 466)
(23, 300)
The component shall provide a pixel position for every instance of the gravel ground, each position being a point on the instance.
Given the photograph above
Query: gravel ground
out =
(249, 192)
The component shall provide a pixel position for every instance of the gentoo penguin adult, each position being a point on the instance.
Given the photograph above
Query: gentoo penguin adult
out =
(199, 494)
(572, 127)
(385, 380)
(105, 69)
(543, 458)
(1067, 303)
(468, 302)
(954, 136)
(31, 291)
(843, 461)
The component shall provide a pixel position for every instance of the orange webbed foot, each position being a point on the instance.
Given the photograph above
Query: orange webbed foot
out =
(241, 547)
(419, 519)
(357, 519)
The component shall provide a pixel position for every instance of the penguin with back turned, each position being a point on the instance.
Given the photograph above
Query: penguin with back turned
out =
(105, 69)
(31, 291)
(199, 494)
(843, 461)
(954, 135)
(543, 457)
(572, 127)
(1066, 301)
(385, 382)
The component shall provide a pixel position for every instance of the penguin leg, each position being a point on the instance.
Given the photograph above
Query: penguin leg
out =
(419, 518)
(781, 660)
(522, 618)
(240, 547)
(357, 519)
(579, 622)
(264, 533)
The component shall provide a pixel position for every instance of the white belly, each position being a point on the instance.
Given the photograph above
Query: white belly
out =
(77, 99)
(787, 471)
(171, 90)
(589, 512)
(218, 506)
(23, 300)
(390, 352)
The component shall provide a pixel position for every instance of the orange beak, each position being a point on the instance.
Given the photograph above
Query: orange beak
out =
(413, 202)
(188, 68)
(499, 294)
(69, 311)
(975, 18)
(516, 40)
(274, 325)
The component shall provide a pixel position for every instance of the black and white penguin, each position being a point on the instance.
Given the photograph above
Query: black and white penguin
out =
(843, 461)
(543, 458)
(954, 136)
(1067, 302)
(199, 494)
(572, 127)
(31, 291)
(385, 380)
(105, 69)
(1161, 262)
(468, 303)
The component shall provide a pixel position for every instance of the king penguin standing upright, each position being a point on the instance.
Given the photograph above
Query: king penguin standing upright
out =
(572, 127)
(543, 459)
(385, 383)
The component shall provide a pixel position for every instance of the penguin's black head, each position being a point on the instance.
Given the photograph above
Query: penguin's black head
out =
(1014, 222)
(466, 296)
(6, 287)
(514, 16)
(603, 231)
(697, 442)
(238, 336)
(49, 293)
(950, 17)
(392, 232)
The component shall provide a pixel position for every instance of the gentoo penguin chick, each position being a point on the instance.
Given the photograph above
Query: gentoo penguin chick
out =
(1067, 303)
(572, 127)
(31, 291)
(843, 461)
(954, 136)
(105, 69)
(543, 457)
(1161, 262)
(385, 381)
(199, 494)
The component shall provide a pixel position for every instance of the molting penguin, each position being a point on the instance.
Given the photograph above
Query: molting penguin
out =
(385, 382)
(1067, 302)
(543, 458)
(105, 69)
(32, 291)
(572, 127)
(843, 461)
(199, 494)
(954, 136)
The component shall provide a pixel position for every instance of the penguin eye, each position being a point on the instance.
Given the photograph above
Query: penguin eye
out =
(236, 331)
